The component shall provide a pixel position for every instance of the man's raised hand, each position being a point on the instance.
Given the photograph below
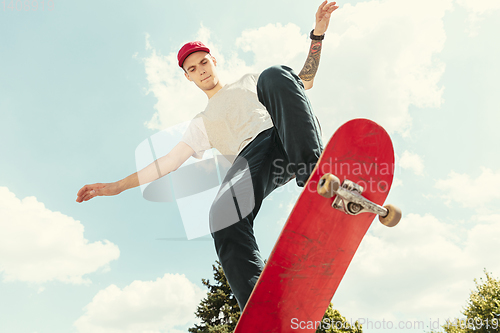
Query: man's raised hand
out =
(323, 17)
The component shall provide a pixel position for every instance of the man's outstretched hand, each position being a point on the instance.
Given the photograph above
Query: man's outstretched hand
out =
(99, 189)
(323, 17)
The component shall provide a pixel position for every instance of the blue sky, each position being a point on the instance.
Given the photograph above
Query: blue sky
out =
(83, 85)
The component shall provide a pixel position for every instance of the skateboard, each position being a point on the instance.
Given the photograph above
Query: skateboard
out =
(340, 200)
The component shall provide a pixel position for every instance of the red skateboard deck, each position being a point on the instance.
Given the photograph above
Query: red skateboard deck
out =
(318, 241)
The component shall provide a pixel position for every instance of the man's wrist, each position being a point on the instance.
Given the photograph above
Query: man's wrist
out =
(314, 35)
(121, 185)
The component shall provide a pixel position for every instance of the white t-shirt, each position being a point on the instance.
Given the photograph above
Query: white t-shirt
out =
(232, 119)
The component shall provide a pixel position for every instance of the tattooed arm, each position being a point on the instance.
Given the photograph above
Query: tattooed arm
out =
(310, 68)
(308, 73)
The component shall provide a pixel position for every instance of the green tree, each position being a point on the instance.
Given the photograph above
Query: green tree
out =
(482, 312)
(219, 311)
(333, 322)
(484, 303)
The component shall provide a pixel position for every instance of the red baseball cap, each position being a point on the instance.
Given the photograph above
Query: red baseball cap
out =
(189, 48)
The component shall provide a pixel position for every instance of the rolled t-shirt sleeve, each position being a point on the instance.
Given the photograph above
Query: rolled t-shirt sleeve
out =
(196, 137)
(255, 77)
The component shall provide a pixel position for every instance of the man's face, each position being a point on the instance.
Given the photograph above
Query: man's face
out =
(200, 69)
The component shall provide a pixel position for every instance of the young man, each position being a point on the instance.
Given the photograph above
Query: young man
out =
(267, 123)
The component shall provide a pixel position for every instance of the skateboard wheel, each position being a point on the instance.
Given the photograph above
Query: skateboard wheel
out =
(328, 185)
(393, 216)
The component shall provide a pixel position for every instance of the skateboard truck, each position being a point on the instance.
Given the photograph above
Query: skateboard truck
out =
(350, 201)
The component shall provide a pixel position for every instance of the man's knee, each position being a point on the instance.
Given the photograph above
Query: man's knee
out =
(276, 71)
(275, 75)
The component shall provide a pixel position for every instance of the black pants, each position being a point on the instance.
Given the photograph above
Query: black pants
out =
(291, 147)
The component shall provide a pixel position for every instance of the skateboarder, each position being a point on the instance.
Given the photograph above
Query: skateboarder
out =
(267, 122)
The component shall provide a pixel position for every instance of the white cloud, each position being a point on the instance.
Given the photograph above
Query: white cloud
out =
(469, 192)
(477, 10)
(480, 6)
(148, 44)
(396, 182)
(492, 218)
(421, 267)
(287, 46)
(379, 57)
(142, 307)
(38, 245)
(412, 162)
